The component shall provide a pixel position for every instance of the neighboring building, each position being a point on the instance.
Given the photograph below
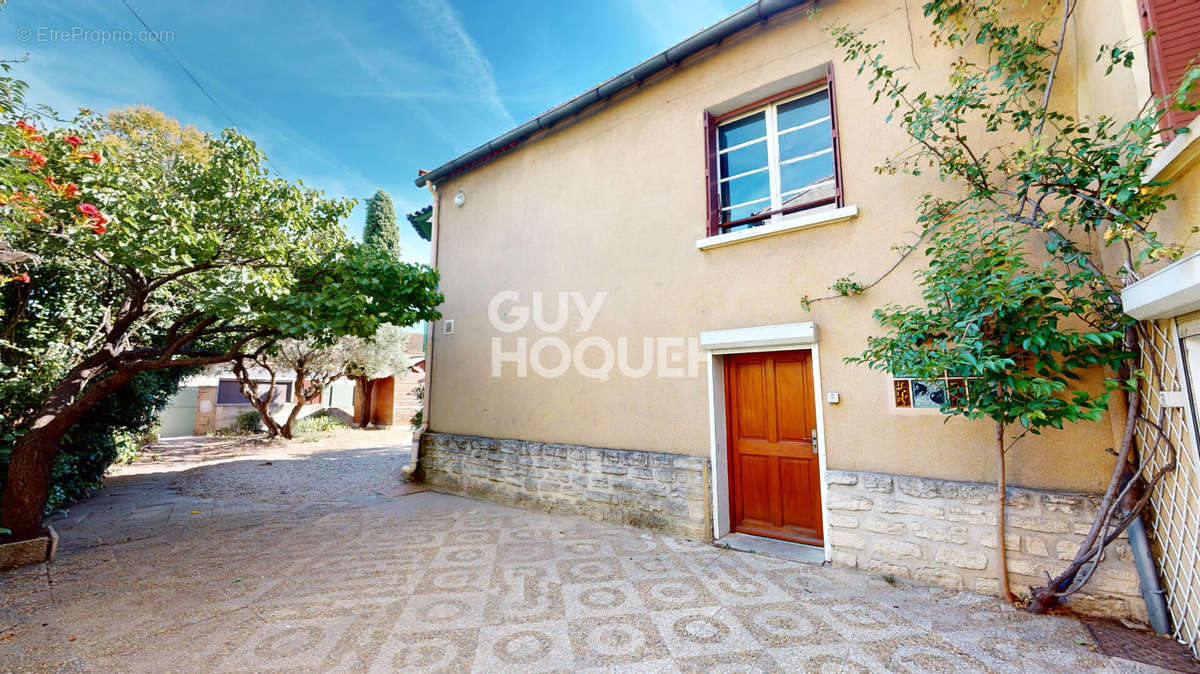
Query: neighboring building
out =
(623, 335)
(214, 399)
(1168, 300)
(210, 401)
(394, 399)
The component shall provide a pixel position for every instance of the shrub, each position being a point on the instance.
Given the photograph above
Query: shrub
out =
(248, 422)
(316, 426)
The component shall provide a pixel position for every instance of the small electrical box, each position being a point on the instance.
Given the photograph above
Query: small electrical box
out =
(833, 398)
(448, 327)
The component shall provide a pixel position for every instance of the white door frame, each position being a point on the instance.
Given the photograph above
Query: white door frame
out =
(791, 337)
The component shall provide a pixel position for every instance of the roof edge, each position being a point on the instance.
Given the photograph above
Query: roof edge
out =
(759, 11)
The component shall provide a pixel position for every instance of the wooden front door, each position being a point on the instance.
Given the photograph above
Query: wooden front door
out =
(774, 478)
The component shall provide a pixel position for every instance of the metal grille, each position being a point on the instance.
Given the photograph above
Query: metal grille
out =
(1175, 501)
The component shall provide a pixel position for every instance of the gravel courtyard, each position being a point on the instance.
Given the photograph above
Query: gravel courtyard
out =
(225, 555)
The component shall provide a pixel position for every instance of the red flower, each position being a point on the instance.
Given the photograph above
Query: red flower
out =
(70, 190)
(73, 141)
(94, 217)
(93, 157)
(29, 131)
(23, 278)
(36, 159)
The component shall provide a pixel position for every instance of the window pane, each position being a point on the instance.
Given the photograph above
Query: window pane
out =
(744, 159)
(806, 173)
(801, 110)
(742, 130)
(731, 214)
(747, 188)
(230, 393)
(805, 141)
(928, 394)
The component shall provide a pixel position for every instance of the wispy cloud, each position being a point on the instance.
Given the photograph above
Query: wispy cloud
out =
(368, 65)
(445, 29)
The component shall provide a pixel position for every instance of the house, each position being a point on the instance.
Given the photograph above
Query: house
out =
(213, 400)
(624, 336)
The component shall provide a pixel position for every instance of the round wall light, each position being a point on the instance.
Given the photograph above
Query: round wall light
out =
(460, 198)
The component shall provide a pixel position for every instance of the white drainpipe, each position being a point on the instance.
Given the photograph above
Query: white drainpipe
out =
(414, 455)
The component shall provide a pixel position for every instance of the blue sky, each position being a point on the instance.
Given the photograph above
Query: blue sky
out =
(348, 97)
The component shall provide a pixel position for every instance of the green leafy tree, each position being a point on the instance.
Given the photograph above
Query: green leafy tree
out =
(380, 230)
(45, 316)
(190, 263)
(142, 125)
(1014, 299)
(314, 364)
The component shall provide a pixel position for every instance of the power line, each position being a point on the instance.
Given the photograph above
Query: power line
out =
(154, 36)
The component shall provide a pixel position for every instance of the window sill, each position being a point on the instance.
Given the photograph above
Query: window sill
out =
(1171, 291)
(1177, 157)
(789, 223)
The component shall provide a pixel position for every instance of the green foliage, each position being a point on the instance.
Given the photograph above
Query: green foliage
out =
(378, 356)
(316, 426)
(1013, 299)
(248, 422)
(121, 129)
(129, 245)
(1022, 332)
(419, 416)
(380, 230)
(115, 432)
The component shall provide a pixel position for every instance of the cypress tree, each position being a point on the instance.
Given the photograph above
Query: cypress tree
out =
(380, 229)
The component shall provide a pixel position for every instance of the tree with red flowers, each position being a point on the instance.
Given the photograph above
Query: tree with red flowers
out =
(189, 262)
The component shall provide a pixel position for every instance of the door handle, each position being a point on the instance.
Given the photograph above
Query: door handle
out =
(813, 437)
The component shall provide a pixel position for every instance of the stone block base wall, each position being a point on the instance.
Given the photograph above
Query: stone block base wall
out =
(665, 492)
(944, 533)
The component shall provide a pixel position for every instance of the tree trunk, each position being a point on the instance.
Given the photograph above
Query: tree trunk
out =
(250, 391)
(366, 385)
(1047, 596)
(28, 484)
(300, 388)
(1001, 507)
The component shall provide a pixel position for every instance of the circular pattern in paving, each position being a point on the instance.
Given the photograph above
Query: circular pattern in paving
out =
(700, 629)
(522, 648)
(614, 638)
(602, 598)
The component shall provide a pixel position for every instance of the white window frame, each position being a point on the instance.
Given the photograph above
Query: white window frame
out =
(771, 110)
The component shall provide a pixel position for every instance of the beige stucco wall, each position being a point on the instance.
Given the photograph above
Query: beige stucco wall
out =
(615, 203)
(1121, 94)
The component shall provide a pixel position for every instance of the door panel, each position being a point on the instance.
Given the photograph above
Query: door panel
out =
(774, 476)
(753, 387)
(760, 500)
(795, 421)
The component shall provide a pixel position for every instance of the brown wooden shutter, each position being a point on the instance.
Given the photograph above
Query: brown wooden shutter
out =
(1175, 44)
(837, 153)
(711, 177)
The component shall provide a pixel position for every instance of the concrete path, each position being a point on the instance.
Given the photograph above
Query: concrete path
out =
(220, 556)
